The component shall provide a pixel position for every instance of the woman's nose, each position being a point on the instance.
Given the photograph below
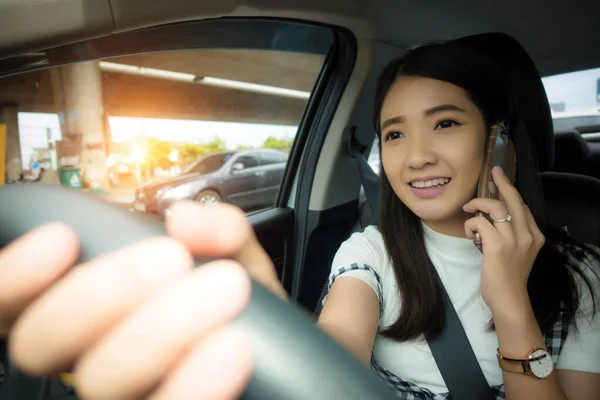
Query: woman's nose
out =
(420, 153)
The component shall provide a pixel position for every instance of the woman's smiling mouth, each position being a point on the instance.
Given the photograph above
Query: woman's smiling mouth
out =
(428, 182)
(428, 187)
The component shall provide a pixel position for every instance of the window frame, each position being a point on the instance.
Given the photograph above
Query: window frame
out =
(222, 33)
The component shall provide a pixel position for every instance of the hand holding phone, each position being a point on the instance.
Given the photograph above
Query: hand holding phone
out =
(500, 151)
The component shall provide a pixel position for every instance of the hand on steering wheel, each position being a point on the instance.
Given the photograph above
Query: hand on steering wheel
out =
(134, 319)
(138, 322)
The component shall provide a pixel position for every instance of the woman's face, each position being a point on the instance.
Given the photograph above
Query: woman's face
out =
(432, 145)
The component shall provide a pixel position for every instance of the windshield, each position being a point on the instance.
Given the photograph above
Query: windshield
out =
(208, 164)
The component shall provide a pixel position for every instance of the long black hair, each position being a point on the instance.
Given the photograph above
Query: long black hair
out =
(552, 283)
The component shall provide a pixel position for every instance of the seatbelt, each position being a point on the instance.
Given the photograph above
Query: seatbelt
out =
(451, 350)
(368, 177)
(456, 359)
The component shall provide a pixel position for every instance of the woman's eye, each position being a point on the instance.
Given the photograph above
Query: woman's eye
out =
(393, 135)
(447, 123)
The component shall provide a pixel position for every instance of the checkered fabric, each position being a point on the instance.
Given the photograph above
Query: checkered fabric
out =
(554, 337)
(342, 271)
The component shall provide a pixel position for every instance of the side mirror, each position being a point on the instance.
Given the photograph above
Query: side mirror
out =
(238, 166)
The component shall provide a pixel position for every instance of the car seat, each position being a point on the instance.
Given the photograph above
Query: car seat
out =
(571, 154)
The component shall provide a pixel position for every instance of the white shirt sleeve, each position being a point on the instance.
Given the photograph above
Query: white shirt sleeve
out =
(581, 350)
(358, 257)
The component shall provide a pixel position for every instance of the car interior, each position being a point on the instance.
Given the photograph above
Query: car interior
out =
(322, 199)
(577, 155)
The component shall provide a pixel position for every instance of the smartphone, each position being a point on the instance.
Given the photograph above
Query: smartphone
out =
(500, 151)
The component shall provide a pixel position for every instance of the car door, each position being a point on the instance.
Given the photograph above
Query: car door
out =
(148, 91)
(273, 166)
(241, 185)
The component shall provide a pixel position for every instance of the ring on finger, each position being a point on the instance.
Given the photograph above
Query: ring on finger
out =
(507, 218)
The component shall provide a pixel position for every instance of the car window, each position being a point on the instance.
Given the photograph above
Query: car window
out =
(373, 159)
(249, 161)
(272, 158)
(134, 122)
(575, 100)
(208, 164)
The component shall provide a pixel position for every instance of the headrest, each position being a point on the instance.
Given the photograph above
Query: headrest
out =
(523, 80)
(573, 154)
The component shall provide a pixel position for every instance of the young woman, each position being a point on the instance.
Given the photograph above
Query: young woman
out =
(530, 286)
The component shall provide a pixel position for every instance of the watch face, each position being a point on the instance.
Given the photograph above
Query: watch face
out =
(543, 367)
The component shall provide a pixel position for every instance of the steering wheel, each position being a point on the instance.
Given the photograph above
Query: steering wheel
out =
(293, 359)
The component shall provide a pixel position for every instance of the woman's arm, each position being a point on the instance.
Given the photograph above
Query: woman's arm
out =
(518, 332)
(351, 316)
(510, 247)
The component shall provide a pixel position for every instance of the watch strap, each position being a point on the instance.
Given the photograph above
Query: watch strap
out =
(514, 366)
(517, 366)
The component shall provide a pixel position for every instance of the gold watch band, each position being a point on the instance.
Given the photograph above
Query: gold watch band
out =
(516, 366)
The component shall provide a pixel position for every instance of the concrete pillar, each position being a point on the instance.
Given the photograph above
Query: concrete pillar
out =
(9, 116)
(78, 97)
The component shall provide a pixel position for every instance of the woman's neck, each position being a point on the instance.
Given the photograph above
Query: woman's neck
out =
(451, 226)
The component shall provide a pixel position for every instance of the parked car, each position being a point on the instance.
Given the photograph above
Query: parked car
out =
(249, 179)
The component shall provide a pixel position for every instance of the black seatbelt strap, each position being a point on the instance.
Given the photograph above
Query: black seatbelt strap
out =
(451, 350)
(456, 359)
(368, 177)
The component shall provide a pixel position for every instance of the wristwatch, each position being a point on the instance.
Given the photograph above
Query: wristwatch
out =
(538, 363)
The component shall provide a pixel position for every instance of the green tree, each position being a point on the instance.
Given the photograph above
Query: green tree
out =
(243, 147)
(280, 144)
(191, 152)
(216, 145)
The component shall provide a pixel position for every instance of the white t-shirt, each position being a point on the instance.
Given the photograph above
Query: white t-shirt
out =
(458, 263)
